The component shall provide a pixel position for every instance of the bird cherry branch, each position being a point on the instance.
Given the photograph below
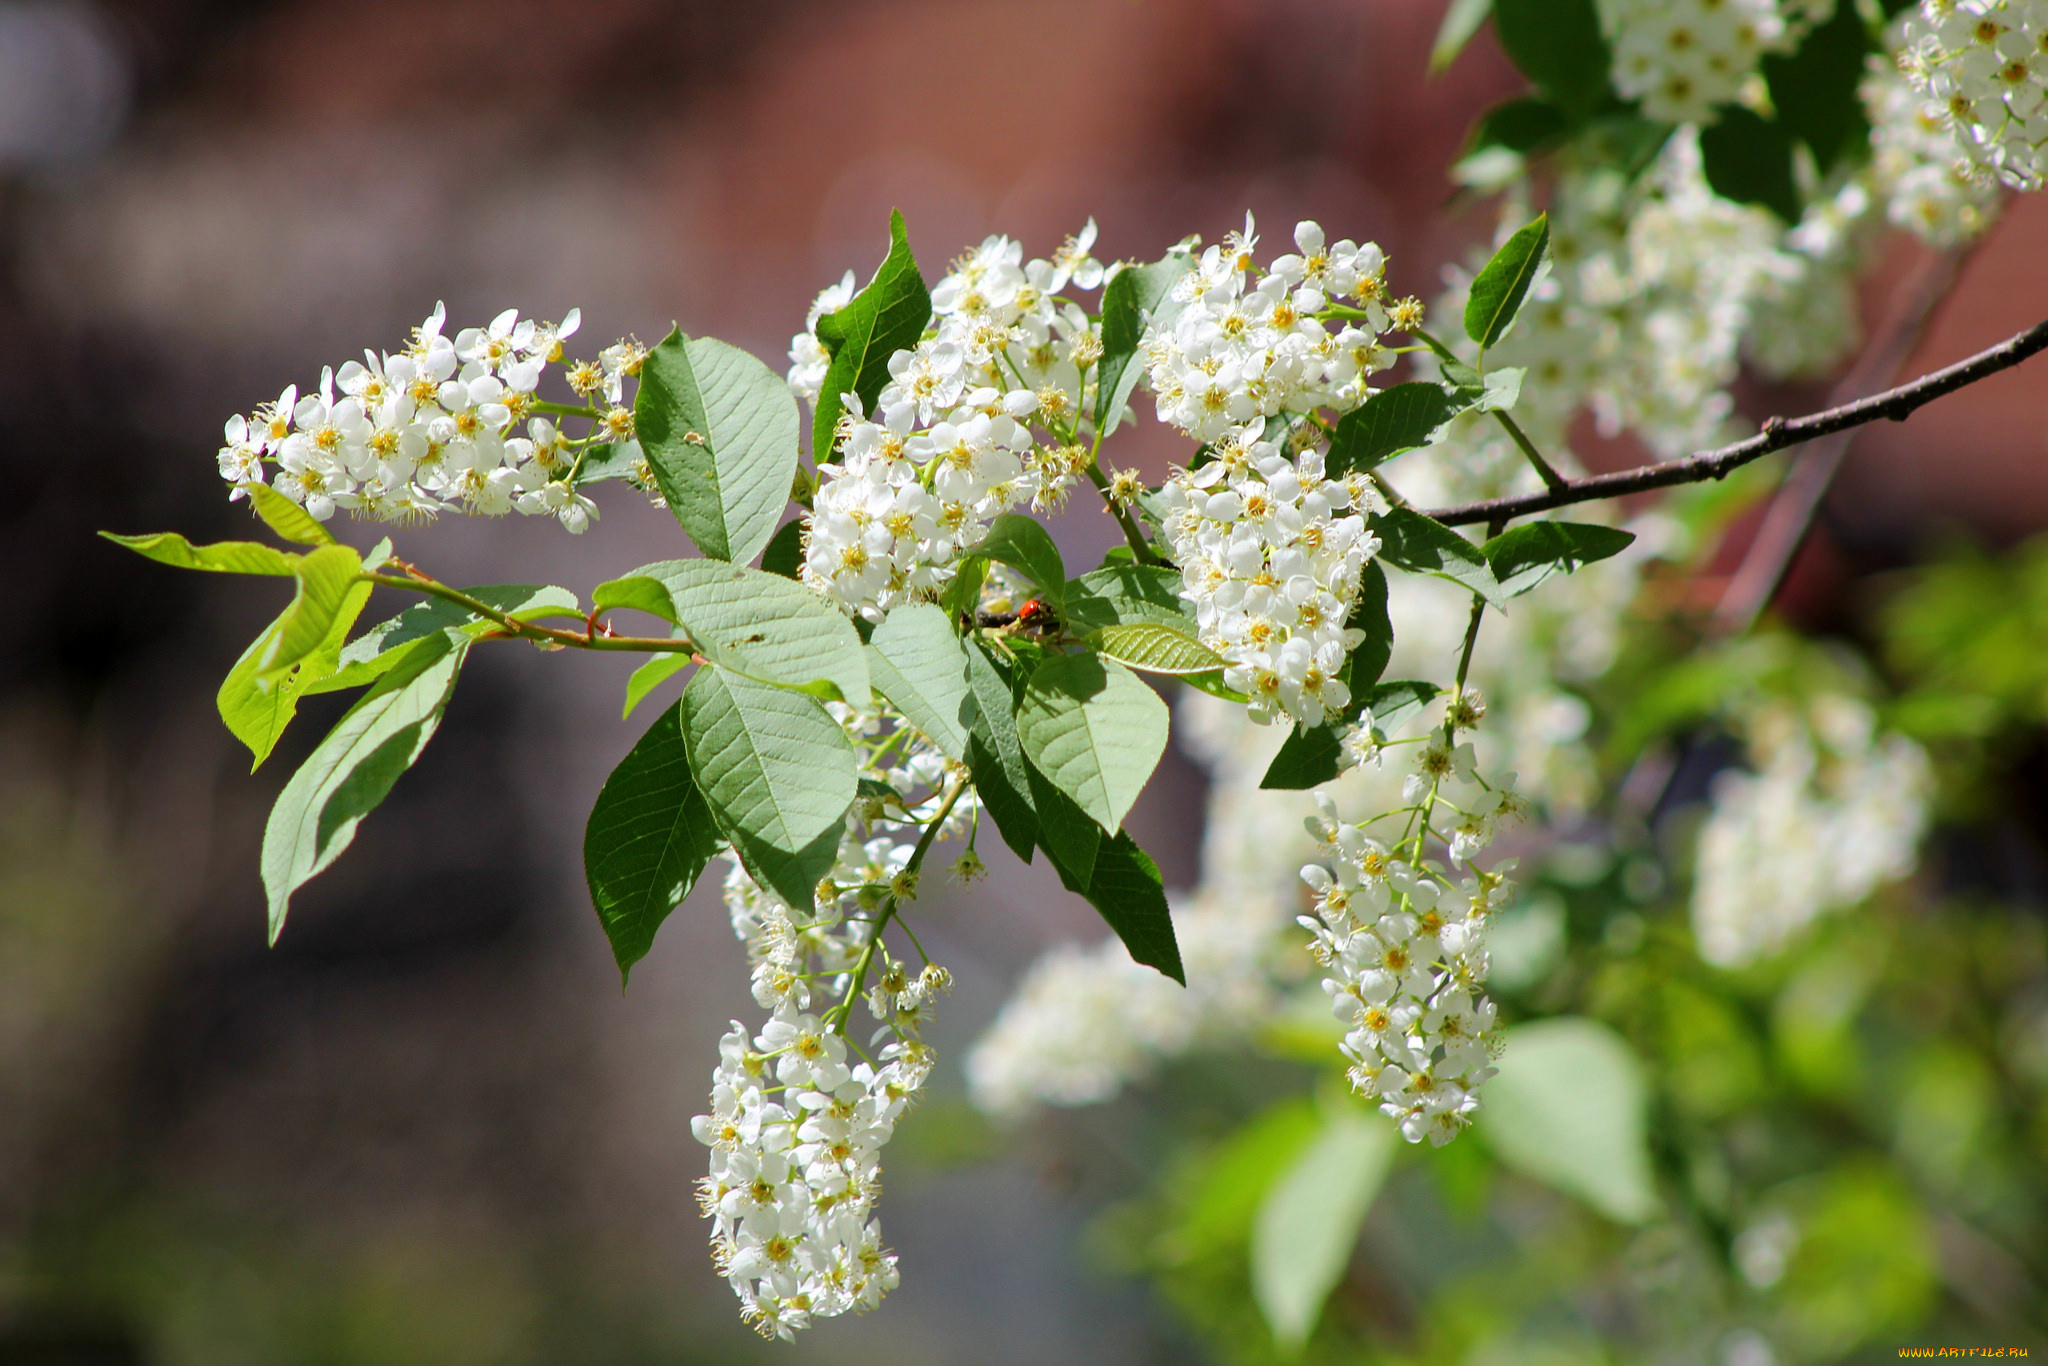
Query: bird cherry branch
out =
(1893, 405)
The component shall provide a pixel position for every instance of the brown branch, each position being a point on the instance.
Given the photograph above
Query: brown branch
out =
(1894, 405)
(1793, 507)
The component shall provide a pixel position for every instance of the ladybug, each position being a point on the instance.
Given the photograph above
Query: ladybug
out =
(1037, 617)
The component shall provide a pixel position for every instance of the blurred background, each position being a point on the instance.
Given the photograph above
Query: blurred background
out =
(428, 1126)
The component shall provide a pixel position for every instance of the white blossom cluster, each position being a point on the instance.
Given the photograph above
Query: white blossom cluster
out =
(1270, 553)
(1657, 287)
(1683, 57)
(1984, 63)
(1926, 187)
(1403, 948)
(1227, 351)
(800, 1110)
(1831, 811)
(988, 411)
(402, 437)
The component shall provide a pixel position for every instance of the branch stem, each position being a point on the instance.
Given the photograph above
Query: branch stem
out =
(513, 627)
(1894, 405)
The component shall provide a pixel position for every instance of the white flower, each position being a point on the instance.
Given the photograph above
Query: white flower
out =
(1832, 811)
(1983, 64)
(1683, 57)
(798, 1118)
(400, 436)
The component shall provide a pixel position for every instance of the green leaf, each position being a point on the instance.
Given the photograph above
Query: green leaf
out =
(1814, 89)
(1626, 141)
(995, 759)
(1214, 685)
(1368, 659)
(1223, 1192)
(610, 460)
(719, 430)
(886, 317)
(765, 627)
(1522, 126)
(222, 557)
(1124, 593)
(287, 518)
(1570, 1108)
(649, 837)
(1501, 390)
(1391, 421)
(1527, 555)
(325, 579)
(1308, 1223)
(1503, 283)
(962, 597)
(1070, 837)
(638, 592)
(1558, 45)
(918, 663)
(1748, 159)
(1423, 545)
(1025, 546)
(352, 770)
(1133, 297)
(1308, 757)
(1461, 20)
(1094, 730)
(778, 774)
(257, 710)
(1392, 705)
(1125, 887)
(650, 676)
(1155, 647)
(784, 556)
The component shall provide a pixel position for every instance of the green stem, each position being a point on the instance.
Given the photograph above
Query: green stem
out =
(1551, 478)
(837, 1017)
(1139, 546)
(527, 630)
(541, 405)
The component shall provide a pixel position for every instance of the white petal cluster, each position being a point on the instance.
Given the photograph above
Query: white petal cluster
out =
(1831, 811)
(1658, 285)
(1270, 553)
(1928, 186)
(403, 437)
(1237, 350)
(808, 358)
(800, 1110)
(1404, 952)
(988, 411)
(1086, 1021)
(1984, 63)
(1683, 57)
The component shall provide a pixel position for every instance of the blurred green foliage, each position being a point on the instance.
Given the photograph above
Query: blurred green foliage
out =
(1847, 1143)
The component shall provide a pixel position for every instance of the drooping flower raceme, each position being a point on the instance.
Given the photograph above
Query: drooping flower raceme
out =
(1403, 945)
(1234, 344)
(1270, 550)
(800, 1110)
(990, 410)
(1985, 64)
(443, 423)
(1270, 553)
